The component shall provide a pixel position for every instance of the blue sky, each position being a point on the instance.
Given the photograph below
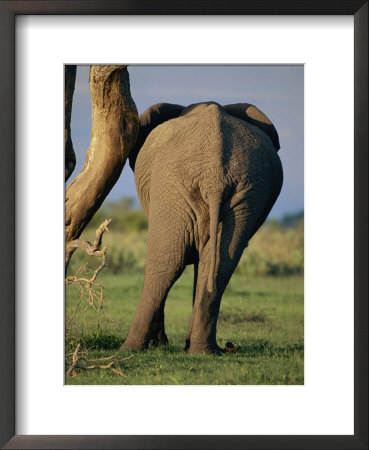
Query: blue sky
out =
(278, 91)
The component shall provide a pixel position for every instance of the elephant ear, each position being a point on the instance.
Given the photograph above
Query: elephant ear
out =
(150, 119)
(249, 113)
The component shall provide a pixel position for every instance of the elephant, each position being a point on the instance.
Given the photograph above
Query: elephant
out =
(207, 177)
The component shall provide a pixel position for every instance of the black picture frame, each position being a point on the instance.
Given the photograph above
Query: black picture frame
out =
(8, 11)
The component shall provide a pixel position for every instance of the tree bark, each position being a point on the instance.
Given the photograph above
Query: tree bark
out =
(70, 157)
(114, 133)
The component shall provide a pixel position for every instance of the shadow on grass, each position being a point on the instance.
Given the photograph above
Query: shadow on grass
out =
(95, 341)
(256, 348)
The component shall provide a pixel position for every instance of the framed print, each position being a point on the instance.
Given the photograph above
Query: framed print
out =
(329, 408)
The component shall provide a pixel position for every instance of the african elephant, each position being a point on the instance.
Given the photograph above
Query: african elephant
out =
(207, 177)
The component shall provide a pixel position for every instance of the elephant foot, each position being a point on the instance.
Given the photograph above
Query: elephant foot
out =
(230, 348)
(196, 349)
(131, 344)
(159, 339)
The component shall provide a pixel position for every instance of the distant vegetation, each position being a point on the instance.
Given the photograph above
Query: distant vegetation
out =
(125, 217)
(277, 249)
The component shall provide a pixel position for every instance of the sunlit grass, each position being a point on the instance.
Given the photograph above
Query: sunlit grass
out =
(264, 315)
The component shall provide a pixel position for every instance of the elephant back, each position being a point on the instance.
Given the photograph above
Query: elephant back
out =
(152, 117)
(249, 113)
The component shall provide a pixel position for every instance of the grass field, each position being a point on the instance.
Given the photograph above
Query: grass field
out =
(264, 315)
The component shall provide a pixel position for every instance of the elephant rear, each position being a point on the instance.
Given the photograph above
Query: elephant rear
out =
(203, 164)
(207, 181)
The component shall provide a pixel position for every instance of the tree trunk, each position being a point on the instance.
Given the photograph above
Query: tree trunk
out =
(114, 133)
(70, 157)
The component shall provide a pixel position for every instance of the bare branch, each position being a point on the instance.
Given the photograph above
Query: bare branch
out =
(104, 359)
(90, 291)
(118, 372)
(97, 366)
(91, 249)
(75, 359)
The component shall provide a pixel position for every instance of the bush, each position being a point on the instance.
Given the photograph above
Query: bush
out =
(125, 216)
(126, 252)
(275, 250)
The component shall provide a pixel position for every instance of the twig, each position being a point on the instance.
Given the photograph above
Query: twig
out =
(74, 361)
(97, 366)
(125, 359)
(90, 291)
(91, 249)
(108, 366)
(76, 358)
(104, 359)
(118, 372)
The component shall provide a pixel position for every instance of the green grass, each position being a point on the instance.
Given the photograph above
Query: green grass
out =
(264, 315)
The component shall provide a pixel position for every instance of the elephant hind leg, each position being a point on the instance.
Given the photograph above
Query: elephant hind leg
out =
(200, 337)
(158, 335)
(148, 322)
(234, 237)
(165, 262)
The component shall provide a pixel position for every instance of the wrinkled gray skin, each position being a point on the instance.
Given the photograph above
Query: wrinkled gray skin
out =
(207, 177)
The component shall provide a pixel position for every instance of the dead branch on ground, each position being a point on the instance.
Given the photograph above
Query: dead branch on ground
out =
(115, 362)
(71, 370)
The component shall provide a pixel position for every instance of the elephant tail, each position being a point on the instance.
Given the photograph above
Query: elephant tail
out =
(214, 211)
